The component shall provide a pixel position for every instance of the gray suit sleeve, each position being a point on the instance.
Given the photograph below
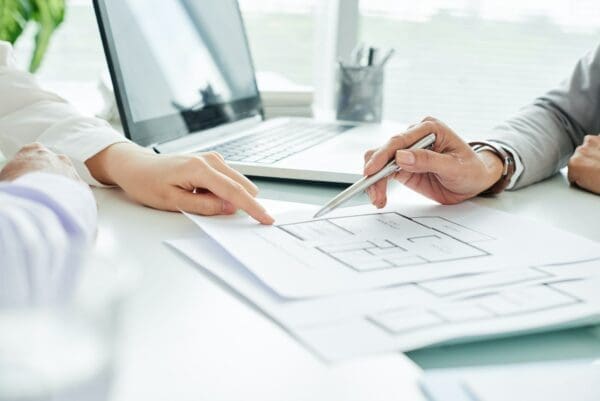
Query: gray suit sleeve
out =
(545, 133)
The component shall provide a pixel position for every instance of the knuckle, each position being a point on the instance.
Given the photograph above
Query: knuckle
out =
(584, 150)
(572, 160)
(576, 161)
(397, 141)
(212, 156)
(254, 191)
(34, 146)
(423, 157)
(196, 162)
(429, 119)
(594, 140)
(430, 125)
(237, 188)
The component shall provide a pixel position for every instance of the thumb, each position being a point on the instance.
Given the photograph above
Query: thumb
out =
(205, 204)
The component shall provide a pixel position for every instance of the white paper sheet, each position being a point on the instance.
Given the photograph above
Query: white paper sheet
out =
(360, 248)
(564, 381)
(411, 316)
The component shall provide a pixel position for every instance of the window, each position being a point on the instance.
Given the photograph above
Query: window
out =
(472, 63)
(75, 52)
(281, 36)
(280, 33)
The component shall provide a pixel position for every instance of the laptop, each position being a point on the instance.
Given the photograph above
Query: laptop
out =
(184, 82)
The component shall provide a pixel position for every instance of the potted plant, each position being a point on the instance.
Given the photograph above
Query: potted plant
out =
(47, 15)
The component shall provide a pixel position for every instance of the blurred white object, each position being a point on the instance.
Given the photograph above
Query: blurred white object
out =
(109, 111)
(82, 95)
(65, 352)
(282, 97)
(46, 354)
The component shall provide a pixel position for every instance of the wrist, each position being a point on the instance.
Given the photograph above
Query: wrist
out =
(494, 167)
(108, 165)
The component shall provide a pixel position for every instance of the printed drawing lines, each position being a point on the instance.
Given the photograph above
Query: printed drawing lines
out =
(379, 241)
(501, 304)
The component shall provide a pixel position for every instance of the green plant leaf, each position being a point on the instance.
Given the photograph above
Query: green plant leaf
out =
(48, 14)
(14, 15)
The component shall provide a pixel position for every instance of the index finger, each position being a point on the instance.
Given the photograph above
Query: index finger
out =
(387, 152)
(235, 193)
(225, 169)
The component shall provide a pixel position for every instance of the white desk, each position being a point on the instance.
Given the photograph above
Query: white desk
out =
(188, 338)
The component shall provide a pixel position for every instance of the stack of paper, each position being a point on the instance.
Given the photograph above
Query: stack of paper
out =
(283, 98)
(363, 281)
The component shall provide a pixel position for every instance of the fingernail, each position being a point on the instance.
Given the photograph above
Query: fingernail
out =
(405, 157)
(228, 207)
(368, 165)
(267, 219)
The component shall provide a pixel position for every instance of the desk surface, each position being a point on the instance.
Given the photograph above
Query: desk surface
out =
(188, 338)
(185, 337)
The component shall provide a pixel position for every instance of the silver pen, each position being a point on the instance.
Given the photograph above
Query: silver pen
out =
(365, 182)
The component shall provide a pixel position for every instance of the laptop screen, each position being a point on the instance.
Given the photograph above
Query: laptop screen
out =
(177, 66)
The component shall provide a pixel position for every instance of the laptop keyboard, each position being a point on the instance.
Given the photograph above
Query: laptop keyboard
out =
(274, 144)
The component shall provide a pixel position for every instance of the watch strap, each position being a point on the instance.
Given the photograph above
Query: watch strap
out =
(508, 162)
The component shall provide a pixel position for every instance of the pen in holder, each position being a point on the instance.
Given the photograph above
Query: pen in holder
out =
(360, 85)
(360, 93)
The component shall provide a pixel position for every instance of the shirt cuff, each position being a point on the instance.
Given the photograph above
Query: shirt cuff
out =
(86, 138)
(518, 164)
(100, 141)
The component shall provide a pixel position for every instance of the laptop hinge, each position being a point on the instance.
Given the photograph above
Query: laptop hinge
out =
(198, 140)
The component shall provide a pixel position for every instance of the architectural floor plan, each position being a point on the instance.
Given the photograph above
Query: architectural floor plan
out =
(362, 282)
(359, 248)
(415, 315)
(400, 240)
(541, 306)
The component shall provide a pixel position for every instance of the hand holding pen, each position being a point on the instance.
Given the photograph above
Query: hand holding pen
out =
(450, 172)
(428, 158)
(366, 182)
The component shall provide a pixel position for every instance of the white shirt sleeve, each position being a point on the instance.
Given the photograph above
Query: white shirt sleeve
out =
(28, 114)
(47, 223)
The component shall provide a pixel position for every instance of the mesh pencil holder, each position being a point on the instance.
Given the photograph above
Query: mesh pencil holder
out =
(360, 93)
